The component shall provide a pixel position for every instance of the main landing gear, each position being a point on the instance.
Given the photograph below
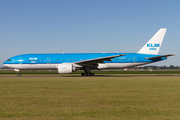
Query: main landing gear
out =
(87, 74)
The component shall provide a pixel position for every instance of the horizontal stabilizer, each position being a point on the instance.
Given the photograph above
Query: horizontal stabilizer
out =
(157, 57)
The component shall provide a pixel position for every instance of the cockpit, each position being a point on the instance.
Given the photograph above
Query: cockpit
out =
(8, 60)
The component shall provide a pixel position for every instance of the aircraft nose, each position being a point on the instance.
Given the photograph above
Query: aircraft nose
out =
(5, 63)
(8, 61)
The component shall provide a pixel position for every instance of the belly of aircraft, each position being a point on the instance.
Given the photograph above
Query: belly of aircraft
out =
(33, 66)
(118, 65)
(54, 66)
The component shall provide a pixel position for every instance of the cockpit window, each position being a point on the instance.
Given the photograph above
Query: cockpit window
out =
(9, 60)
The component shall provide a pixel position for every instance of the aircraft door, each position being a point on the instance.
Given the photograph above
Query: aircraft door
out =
(48, 60)
(134, 59)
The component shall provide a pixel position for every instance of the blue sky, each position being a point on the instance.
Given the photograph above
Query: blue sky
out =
(86, 26)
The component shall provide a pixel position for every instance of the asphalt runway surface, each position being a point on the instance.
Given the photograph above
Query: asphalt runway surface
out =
(100, 76)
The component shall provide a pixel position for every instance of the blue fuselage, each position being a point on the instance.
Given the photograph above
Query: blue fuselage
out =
(75, 57)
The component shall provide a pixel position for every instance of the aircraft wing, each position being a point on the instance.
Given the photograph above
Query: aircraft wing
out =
(157, 57)
(97, 60)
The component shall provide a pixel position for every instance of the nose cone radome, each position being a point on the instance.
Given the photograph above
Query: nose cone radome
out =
(6, 62)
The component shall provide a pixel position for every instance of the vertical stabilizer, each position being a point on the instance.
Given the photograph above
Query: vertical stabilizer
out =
(154, 44)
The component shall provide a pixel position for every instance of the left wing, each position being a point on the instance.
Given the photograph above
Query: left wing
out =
(157, 57)
(97, 60)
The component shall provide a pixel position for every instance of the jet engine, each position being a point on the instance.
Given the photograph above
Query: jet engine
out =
(65, 68)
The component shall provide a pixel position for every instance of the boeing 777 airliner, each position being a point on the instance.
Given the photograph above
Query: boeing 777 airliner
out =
(70, 62)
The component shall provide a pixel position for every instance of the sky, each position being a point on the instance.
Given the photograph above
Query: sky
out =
(87, 26)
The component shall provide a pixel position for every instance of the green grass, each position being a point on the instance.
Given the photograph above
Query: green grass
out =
(89, 98)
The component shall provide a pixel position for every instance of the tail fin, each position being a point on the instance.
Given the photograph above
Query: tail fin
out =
(154, 44)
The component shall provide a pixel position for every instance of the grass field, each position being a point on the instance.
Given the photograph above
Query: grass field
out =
(90, 98)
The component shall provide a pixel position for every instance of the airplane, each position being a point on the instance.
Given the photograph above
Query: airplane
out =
(66, 63)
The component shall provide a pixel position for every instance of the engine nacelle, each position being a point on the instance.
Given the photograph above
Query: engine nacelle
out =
(65, 68)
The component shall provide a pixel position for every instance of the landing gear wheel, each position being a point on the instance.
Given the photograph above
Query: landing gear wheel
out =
(83, 74)
(92, 74)
(19, 74)
(87, 74)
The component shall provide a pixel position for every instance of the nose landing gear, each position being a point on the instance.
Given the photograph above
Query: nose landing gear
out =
(18, 72)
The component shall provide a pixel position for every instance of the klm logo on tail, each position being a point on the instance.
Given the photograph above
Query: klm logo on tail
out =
(153, 46)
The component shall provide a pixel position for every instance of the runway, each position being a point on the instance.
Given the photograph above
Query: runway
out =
(93, 76)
